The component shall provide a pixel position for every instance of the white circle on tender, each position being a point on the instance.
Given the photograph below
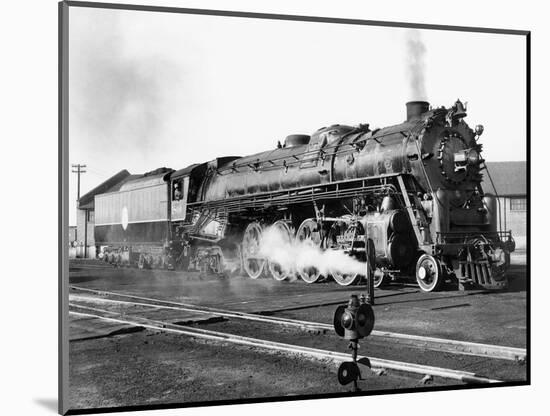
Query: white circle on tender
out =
(124, 218)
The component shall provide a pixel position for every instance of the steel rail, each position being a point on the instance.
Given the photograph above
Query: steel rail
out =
(462, 376)
(418, 341)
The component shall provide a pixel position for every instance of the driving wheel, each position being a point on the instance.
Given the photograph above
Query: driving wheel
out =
(253, 262)
(309, 233)
(280, 271)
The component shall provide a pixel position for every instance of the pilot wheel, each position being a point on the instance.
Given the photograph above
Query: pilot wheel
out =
(429, 274)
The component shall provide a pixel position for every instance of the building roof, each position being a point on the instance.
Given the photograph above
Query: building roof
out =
(509, 178)
(114, 183)
(86, 201)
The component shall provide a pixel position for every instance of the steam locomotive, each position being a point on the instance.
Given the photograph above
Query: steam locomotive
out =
(413, 188)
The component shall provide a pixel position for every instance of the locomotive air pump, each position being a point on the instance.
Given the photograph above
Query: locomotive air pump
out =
(353, 322)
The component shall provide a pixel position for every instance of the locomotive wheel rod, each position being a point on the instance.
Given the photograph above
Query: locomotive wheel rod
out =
(376, 363)
(418, 341)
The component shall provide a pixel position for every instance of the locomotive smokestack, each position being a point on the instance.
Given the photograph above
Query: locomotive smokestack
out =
(416, 108)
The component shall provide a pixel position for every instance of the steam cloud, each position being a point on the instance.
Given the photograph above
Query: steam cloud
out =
(302, 254)
(416, 51)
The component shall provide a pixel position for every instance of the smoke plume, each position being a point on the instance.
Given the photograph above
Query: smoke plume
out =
(295, 255)
(416, 67)
(121, 95)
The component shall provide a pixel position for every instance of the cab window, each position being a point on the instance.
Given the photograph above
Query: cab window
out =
(177, 190)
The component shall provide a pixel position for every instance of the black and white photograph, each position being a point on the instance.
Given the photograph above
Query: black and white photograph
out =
(274, 207)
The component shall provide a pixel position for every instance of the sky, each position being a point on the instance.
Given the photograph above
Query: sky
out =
(156, 89)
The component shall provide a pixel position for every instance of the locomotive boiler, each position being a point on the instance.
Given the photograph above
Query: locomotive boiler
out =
(414, 188)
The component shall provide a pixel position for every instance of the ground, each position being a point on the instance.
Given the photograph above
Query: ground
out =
(153, 367)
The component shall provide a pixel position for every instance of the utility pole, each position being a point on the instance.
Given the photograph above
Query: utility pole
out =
(78, 169)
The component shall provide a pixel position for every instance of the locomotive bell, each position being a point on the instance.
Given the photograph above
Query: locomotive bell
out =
(459, 110)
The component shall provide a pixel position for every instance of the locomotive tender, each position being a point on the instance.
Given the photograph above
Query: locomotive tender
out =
(413, 188)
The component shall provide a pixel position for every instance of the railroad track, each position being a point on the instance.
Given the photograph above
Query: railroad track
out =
(370, 362)
(408, 340)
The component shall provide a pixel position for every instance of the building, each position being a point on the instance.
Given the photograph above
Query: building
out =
(510, 181)
(85, 243)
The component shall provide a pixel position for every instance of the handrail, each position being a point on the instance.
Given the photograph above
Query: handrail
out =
(496, 194)
(282, 192)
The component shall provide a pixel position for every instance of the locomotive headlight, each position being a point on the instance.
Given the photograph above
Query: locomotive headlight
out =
(479, 130)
